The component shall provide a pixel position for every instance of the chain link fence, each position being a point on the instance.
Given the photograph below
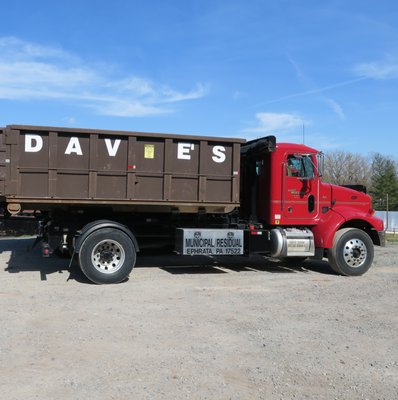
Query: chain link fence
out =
(390, 219)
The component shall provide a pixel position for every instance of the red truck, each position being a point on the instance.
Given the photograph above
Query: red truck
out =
(102, 195)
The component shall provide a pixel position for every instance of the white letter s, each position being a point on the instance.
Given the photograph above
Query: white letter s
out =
(219, 154)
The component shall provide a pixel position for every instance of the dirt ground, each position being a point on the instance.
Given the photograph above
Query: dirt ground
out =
(235, 328)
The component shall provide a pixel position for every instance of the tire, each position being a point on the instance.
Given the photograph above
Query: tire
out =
(352, 253)
(107, 256)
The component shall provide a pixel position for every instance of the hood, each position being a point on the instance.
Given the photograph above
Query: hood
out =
(346, 197)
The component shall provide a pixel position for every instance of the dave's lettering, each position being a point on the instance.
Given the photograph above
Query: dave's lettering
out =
(34, 144)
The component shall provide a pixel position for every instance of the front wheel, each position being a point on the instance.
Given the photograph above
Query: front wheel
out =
(352, 252)
(107, 256)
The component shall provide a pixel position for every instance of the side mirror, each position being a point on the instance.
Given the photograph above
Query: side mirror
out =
(321, 164)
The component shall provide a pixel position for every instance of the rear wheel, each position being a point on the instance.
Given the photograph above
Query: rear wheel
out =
(107, 256)
(352, 252)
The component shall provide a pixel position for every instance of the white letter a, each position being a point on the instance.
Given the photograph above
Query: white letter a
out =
(74, 147)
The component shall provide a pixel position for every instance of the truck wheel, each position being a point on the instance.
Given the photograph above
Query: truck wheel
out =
(107, 256)
(352, 252)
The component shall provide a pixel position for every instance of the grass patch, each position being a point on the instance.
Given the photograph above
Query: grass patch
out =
(392, 237)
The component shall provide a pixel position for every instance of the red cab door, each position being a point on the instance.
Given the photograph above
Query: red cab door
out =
(300, 189)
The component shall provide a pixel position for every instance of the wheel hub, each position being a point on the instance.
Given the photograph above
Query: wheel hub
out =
(355, 253)
(108, 256)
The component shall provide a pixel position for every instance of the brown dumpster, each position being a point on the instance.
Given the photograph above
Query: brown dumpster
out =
(46, 167)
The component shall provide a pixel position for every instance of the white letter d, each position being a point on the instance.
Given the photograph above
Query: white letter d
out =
(33, 143)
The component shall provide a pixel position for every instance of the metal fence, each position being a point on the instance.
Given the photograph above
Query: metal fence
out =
(390, 219)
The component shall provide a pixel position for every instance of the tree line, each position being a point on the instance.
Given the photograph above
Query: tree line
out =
(378, 173)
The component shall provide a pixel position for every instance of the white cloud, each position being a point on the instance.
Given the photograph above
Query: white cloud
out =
(37, 75)
(134, 85)
(275, 123)
(29, 71)
(70, 120)
(313, 91)
(336, 107)
(237, 95)
(377, 70)
(16, 49)
(172, 96)
(127, 108)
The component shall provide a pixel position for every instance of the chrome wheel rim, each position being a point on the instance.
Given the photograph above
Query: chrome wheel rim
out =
(108, 256)
(355, 253)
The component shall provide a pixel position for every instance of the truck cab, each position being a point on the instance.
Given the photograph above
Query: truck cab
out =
(286, 195)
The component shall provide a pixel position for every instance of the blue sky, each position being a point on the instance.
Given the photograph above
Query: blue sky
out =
(218, 68)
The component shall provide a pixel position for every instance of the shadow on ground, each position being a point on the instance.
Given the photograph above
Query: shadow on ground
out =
(176, 264)
(24, 258)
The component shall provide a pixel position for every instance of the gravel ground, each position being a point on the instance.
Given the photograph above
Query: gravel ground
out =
(236, 328)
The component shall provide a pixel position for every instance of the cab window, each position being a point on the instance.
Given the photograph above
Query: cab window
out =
(300, 166)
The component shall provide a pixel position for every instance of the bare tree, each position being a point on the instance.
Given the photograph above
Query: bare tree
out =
(343, 168)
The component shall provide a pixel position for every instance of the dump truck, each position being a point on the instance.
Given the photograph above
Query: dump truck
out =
(100, 196)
